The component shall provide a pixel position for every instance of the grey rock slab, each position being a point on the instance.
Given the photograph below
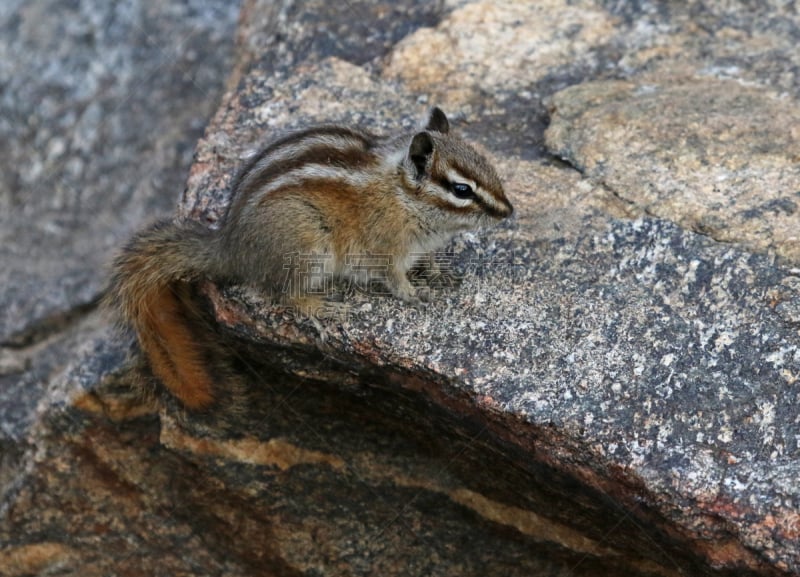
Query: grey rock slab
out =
(99, 112)
(100, 109)
(652, 349)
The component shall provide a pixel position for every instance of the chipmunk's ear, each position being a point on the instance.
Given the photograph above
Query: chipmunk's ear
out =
(437, 121)
(420, 152)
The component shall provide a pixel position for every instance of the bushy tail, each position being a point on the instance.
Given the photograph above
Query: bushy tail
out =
(151, 287)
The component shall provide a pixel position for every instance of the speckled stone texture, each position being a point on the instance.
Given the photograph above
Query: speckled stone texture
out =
(100, 108)
(610, 388)
(716, 156)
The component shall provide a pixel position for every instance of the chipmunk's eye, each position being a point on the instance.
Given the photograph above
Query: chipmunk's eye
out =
(461, 190)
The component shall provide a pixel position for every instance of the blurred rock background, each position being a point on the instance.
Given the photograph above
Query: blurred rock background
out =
(100, 111)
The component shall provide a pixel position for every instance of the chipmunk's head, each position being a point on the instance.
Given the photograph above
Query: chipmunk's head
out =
(455, 184)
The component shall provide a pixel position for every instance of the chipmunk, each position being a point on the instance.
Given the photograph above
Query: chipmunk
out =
(330, 190)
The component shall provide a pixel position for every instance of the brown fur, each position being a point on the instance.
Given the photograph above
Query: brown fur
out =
(172, 346)
(150, 288)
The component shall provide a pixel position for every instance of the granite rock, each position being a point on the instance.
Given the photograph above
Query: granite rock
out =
(715, 156)
(611, 387)
(99, 113)
(100, 110)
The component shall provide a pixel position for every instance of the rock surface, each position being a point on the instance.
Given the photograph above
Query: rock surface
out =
(715, 156)
(99, 113)
(612, 388)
